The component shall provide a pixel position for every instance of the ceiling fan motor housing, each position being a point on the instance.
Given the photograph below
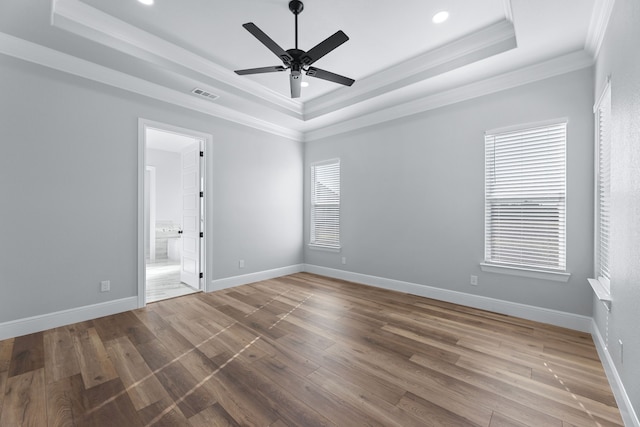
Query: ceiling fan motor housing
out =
(297, 56)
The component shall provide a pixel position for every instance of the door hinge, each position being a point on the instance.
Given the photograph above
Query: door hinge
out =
(201, 234)
(202, 194)
(201, 275)
(202, 154)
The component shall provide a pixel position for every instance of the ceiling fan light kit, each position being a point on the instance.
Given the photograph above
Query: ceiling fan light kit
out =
(297, 60)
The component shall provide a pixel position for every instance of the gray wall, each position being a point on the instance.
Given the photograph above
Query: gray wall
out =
(412, 206)
(620, 58)
(68, 182)
(257, 203)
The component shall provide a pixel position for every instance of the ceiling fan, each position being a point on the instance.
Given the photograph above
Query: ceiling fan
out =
(298, 60)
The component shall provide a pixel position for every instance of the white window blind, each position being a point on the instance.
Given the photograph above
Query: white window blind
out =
(525, 224)
(325, 204)
(603, 185)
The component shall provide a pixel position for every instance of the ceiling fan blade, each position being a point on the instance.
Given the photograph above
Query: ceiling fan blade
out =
(261, 70)
(268, 42)
(327, 75)
(324, 47)
(296, 83)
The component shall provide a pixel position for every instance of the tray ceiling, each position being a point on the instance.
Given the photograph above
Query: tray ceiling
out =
(397, 55)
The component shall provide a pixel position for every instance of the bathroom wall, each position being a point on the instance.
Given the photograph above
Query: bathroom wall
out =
(168, 185)
(168, 201)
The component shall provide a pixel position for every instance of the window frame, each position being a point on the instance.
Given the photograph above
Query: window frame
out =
(540, 272)
(313, 241)
(602, 282)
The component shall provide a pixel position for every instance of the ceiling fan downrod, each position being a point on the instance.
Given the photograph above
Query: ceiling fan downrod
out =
(296, 7)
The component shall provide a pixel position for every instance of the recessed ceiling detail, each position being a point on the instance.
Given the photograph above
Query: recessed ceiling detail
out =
(88, 22)
(492, 40)
(401, 65)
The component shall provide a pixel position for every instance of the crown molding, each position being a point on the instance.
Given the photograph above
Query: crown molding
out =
(35, 53)
(47, 57)
(508, 10)
(93, 24)
(491, 40)
(389, 95)
(556, 66)
(600, 17)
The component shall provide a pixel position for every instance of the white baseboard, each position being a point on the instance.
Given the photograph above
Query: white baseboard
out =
(245, 279)
(538, 314)
(629, 416)
(43, 322)
(29, 325)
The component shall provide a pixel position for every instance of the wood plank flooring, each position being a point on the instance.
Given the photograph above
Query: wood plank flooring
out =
(304, 350)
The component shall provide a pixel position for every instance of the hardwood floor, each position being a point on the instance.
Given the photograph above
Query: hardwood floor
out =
(304, 350)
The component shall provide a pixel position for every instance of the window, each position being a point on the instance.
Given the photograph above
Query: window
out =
(525, 224)
(325, 204)
(602, 111)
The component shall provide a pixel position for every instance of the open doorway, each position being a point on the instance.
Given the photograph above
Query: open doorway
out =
(173, 212)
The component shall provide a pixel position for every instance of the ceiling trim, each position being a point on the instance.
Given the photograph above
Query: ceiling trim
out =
(394, 92)
(508, 11)
(93, 24)
(600, 17)
(47, 57)
(491, 40)
(556, 66)
(35, 53)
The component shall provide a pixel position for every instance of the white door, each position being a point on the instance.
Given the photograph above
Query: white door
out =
(191, 228)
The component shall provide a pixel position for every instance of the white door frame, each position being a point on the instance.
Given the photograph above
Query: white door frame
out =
(143, 125)
(152, 212)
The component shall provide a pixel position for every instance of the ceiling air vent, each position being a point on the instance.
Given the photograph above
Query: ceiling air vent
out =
(204, 94)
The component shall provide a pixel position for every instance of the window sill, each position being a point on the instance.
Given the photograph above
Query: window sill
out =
(526, 272)
(601, 292)
(325, 248)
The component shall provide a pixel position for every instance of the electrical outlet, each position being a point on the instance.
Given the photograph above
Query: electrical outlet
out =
(105, 286)
(241, 263)
(473, 280)
(344, 260)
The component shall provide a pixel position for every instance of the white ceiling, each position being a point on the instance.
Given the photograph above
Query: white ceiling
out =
(402, 62)
(380, 34)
